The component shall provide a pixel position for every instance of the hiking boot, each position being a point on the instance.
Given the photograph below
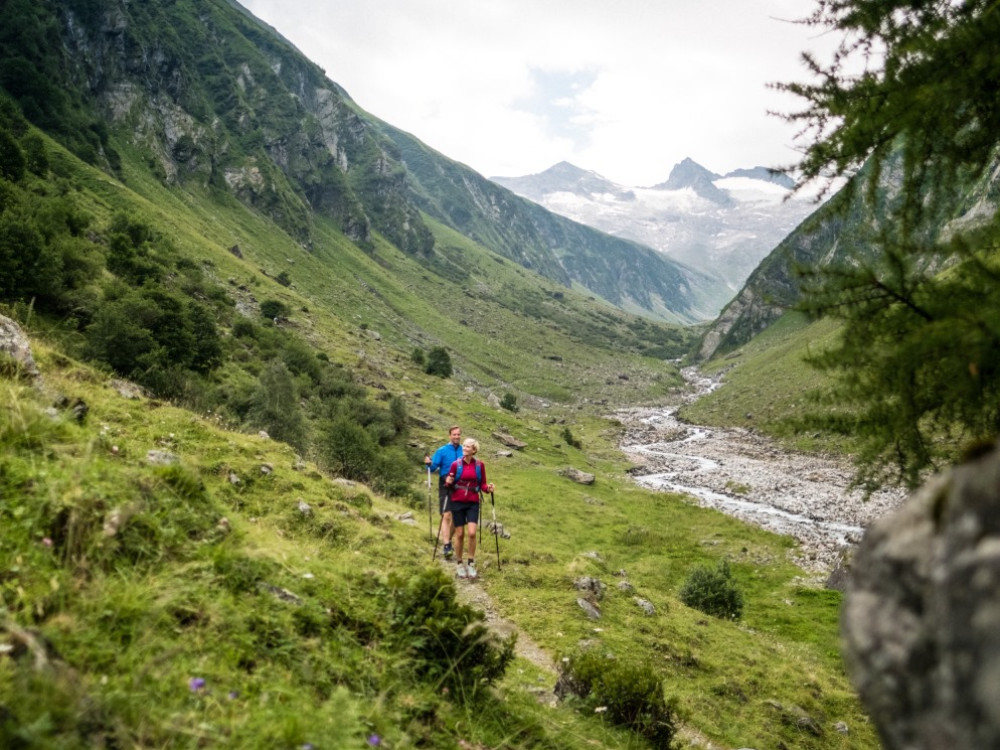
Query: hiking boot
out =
(461, 572)
(470, 568)
(449, 551)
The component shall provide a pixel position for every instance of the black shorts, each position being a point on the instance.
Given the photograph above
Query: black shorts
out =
(463, 513)
(443, 497)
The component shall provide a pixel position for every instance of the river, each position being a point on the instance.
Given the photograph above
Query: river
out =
(751, 477)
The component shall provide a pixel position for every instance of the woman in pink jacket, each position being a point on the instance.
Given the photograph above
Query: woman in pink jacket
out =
(467, 478)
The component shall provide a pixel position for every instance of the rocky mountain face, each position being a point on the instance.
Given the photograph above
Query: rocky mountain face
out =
(719, 225)
(844, 230)
(218, 102)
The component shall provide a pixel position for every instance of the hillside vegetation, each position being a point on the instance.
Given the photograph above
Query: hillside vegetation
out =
(175, 579)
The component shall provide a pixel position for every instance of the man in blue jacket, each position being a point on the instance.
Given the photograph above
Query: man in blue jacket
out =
(443, 458)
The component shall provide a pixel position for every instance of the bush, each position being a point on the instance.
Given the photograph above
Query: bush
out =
(349, 450)
(567, 435)
(272, 308)
(450, 642)
(630, 694)
(713, 592)
(509, 402)
(438, 362)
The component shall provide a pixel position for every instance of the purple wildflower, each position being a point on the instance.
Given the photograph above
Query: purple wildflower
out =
(196, 684)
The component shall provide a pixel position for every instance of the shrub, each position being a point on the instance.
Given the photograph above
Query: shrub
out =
(438, 362)
(630, 694)
(567, 435)
(509, 402)
(349, 450)
(272, 308)
(713, 592)
(450, 642)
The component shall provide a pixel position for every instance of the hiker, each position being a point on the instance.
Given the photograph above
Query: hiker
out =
(467, 478)
(444, 457)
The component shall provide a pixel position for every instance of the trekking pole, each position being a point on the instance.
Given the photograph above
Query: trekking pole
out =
(437, 539)
(430, 516)
(496, 529)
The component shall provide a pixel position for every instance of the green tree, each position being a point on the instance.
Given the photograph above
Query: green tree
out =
(348, 450)
(274, 406)
(918, 364)
(439, 362)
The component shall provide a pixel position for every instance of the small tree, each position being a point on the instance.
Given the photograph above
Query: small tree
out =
(713, 592)
(272, 308)
(509, 402)
(438, 362)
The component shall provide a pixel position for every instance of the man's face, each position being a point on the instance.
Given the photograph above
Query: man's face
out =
(456, 437)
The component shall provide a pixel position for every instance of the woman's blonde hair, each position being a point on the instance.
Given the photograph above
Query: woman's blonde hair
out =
(472, 443)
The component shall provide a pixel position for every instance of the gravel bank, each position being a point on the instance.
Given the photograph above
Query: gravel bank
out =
(750, 477)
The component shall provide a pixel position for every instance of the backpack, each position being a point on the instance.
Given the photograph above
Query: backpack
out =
(479, 472)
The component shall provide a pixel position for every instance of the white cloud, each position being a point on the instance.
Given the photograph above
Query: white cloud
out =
(511, 87)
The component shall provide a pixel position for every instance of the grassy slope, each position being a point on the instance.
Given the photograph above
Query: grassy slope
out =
(132, 634)
(766, 383)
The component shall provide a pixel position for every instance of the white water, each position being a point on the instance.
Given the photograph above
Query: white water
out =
(750, 477)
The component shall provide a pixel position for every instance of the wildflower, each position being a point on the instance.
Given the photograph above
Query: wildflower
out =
(374, 740)
(196, 684)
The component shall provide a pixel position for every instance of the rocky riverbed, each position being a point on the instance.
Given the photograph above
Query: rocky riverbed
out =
(750, 477)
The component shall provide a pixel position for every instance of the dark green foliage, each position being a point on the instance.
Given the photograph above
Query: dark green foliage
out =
(629, 694)
(439, 362)
(152, 334)
(917, 369)
(12, 161)
(713, 591)
(448, 641)
(272, 308)
(274, 406)
(348, 450)
(509, 402)
(567, 435)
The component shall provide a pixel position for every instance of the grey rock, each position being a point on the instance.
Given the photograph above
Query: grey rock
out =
(591, 585)
(645, 605)
(580, 477)
(510, 441)
(921, 618)
(161, 458)
(14, 347)
(127, 389)
(592, 612)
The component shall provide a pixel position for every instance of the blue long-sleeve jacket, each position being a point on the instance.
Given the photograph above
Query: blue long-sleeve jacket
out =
(443, 458)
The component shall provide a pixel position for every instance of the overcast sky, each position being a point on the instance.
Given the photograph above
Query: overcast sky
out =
(626, 88)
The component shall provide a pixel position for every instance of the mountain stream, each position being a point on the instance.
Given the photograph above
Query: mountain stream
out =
(749, 476)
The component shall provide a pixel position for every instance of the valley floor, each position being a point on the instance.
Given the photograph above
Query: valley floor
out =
(749, 476)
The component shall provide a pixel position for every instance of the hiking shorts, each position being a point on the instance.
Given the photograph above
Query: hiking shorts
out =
(443, 497)
(463, 513)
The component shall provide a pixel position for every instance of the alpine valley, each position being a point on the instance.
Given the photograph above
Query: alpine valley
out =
(236, 313)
